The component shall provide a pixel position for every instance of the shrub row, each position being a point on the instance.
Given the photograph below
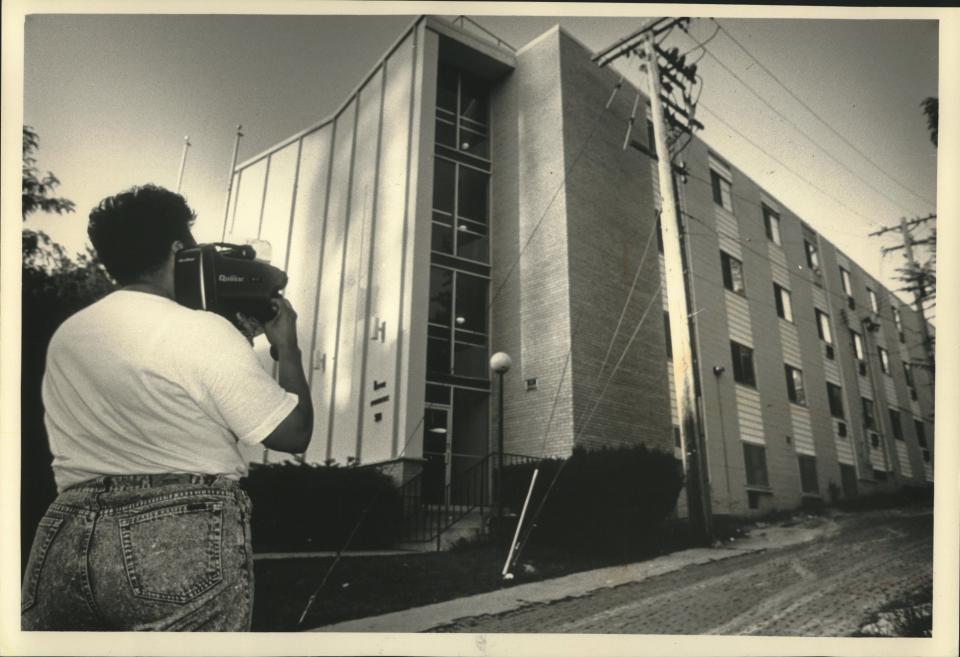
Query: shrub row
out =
(606, 500)
(303, 507)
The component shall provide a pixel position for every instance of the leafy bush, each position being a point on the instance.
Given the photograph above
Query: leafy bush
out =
(302, 507)
(607, 500)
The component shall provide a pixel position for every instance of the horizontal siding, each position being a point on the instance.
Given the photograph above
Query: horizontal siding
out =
(928, 471)
(802, 431)
(890, 390)
(819, 298)
(749, 415)
(915, 408)
(727, 224)
(655, 181)
(790, 341)
(730, 245)
(674, 417)
(877, 459)
(844, 451)
(863, 385)
(906, 468)
(831, 371)
(738, 318)
(778, 266)
(663, 281)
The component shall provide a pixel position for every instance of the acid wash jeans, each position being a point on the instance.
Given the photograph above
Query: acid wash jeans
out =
(142, 552)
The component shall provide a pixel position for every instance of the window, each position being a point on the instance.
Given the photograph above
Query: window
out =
(755, 460)
(732, 273)
(874, 302)
(921, 433)
(845, 282)
(795, 389)
(857, 346)
(835, 397)
(895, 423)
(908, 374)
(721, 191)
(461, 117)
(922, 440)
(781, 297)
(847, 288)
(743, 364)
(666, 333)
(771, 223)
(460, 210)
(808, 474)
(457, 324)
(823, 326)
(898, 322)
(884, 360)
(813, 258)
(869, 414)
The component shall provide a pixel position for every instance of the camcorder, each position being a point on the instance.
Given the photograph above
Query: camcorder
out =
(227, 279)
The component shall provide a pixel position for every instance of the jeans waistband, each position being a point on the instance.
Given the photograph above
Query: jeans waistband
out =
(130, 482)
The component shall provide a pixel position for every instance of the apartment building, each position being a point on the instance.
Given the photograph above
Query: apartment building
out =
(470, 198)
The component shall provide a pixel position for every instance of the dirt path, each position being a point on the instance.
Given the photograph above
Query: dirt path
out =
(824, 588)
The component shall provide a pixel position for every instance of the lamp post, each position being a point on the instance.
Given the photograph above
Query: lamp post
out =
(500, 362)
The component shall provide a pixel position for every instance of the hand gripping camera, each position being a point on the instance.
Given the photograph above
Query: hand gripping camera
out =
(226, 279)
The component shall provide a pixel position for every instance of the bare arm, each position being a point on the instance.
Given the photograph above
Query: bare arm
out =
(293, 434)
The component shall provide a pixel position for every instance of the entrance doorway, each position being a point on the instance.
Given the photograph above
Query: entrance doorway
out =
(455, 446)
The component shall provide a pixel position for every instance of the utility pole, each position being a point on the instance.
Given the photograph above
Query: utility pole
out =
(676, 75)
(233, 166)
(678, 309)
(920, 292)
(183, 161)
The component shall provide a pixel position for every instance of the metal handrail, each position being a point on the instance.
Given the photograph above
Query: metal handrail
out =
(500, 42)
(426, 520)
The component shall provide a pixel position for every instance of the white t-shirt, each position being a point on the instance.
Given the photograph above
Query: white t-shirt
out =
(138, 384)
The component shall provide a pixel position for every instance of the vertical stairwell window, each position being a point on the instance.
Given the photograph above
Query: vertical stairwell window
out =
(771, 224)
(743, 364)
(795, 390)
(784, 304)
(732, 270)
(721, 185)
(755, 461)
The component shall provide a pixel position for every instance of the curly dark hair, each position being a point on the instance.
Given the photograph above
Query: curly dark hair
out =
(133, 230)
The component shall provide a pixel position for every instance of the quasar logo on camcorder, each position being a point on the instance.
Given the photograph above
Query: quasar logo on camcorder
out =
(227, 279)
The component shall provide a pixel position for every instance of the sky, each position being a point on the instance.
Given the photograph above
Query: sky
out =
(113, 97)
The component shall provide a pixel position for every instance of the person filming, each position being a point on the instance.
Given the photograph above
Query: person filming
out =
(147, 404)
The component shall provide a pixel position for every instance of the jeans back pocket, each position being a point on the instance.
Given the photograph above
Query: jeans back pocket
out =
(172, 554)
(46, 532)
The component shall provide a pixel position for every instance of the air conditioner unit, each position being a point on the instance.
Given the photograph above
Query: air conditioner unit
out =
(829, 351)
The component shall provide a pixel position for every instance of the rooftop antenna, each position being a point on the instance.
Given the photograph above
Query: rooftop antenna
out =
(183, 161)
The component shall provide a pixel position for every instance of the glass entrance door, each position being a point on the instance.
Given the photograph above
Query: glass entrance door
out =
(436, 453)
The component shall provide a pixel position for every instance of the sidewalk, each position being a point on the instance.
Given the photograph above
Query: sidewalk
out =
(422, 619)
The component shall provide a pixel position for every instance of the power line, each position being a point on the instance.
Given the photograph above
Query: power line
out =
(820, 118)
(787, 167)
(800, 130)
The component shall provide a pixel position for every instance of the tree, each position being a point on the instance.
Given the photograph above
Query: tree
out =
(931, 107)
(38, 192)
(54, 287)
